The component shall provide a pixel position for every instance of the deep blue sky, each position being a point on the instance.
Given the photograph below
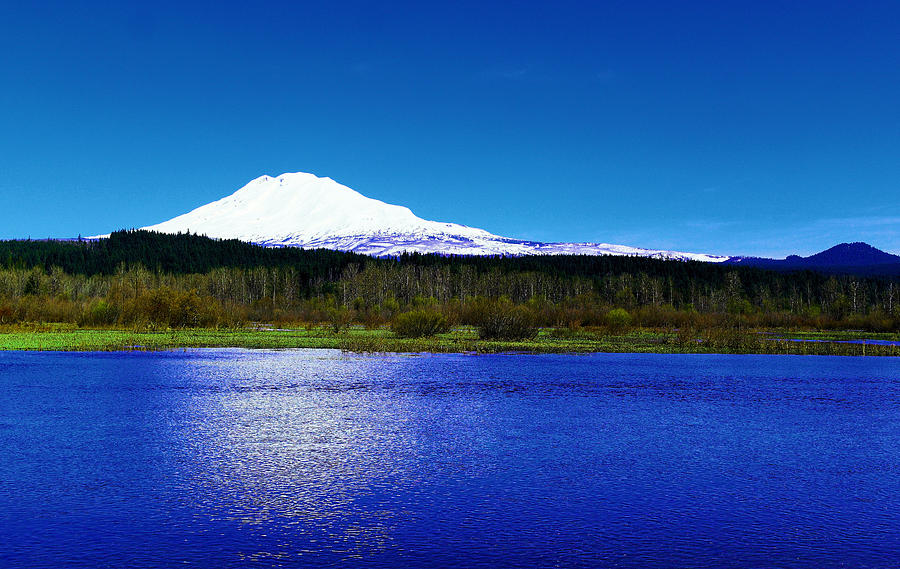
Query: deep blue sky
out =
(719, 127)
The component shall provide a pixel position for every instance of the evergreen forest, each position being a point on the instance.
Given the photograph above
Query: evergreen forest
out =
(139, 279)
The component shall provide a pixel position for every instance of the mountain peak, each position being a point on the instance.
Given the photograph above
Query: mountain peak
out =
(850, 258)
(293, 180)
(853, 254)
(293, 206)
(855, 245)
(299, 209)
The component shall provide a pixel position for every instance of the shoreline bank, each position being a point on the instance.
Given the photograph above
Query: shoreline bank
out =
(842, 343)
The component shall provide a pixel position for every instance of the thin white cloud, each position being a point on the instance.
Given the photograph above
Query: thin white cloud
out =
(859, 221)
(508, 74)
(711, 224)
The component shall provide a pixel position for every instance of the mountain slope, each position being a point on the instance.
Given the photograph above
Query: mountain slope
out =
(851, 258)
(851, 255)
(303, 210)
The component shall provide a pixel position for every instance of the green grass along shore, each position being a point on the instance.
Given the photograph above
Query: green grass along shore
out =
(463, 340)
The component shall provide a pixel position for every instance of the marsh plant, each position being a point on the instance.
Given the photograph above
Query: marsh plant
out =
(420, 324)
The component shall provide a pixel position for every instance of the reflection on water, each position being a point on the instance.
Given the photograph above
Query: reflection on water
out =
(313, 458)
(290, 442)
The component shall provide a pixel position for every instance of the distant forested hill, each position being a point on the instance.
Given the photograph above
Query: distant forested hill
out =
(182, 254)
(859, 259)
(175, 254)
(188, 254)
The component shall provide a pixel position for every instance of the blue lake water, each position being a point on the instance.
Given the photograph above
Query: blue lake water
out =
(236, 458)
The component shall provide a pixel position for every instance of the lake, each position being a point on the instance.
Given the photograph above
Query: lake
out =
(314, 458)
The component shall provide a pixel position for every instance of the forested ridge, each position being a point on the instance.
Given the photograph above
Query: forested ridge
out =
(145, 278)
(160, 252)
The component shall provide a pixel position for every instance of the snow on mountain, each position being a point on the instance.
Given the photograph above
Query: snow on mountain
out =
(303, 210)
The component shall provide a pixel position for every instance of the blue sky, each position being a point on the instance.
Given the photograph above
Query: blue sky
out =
(727, 127)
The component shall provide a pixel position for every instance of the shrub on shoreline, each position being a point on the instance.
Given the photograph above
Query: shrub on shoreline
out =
(502, 320)
(420, 324)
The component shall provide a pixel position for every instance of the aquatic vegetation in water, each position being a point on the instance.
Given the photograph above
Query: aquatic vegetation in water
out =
(464, 339)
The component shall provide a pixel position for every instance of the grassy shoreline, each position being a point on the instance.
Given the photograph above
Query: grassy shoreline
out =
(464, 340)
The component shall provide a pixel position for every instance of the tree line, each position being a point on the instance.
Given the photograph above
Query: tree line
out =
(139, 278)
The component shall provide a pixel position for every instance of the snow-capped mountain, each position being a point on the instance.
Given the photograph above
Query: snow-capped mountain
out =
(303, 210)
